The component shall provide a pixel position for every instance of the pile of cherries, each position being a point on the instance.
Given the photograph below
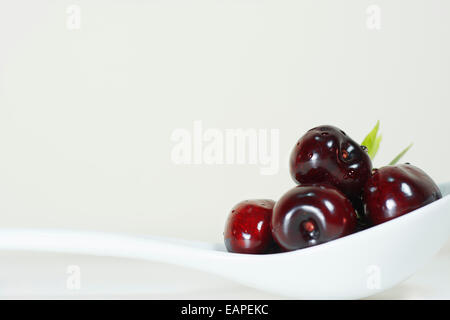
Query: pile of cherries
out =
(338, 193)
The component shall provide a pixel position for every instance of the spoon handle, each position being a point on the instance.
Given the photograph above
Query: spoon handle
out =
(172, 251)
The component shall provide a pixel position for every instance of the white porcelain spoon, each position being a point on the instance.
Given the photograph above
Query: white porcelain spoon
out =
(356, 266)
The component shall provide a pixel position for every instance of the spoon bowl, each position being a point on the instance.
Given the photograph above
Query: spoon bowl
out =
(355, 266)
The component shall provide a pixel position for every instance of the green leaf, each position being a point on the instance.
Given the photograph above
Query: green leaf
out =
(400, 155)
(376, 146)
(372, 141)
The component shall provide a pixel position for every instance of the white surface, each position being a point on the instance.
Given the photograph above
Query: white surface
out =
(44, 276)
(339, 269)
(86, 115)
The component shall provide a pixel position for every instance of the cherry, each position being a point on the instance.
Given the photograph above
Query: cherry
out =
(393, 191)
(248, 230)
(325, 154)
(311, 214)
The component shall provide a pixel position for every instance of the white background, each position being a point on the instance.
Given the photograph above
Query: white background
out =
(86, 115)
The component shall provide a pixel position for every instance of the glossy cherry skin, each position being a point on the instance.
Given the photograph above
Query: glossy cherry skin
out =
(393, 191)
(248, 230)
(325, 154)
(309, 215)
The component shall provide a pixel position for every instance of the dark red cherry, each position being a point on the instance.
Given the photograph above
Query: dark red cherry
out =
(326, 154)
(311, 214)
(393, 191)
(248, 230)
